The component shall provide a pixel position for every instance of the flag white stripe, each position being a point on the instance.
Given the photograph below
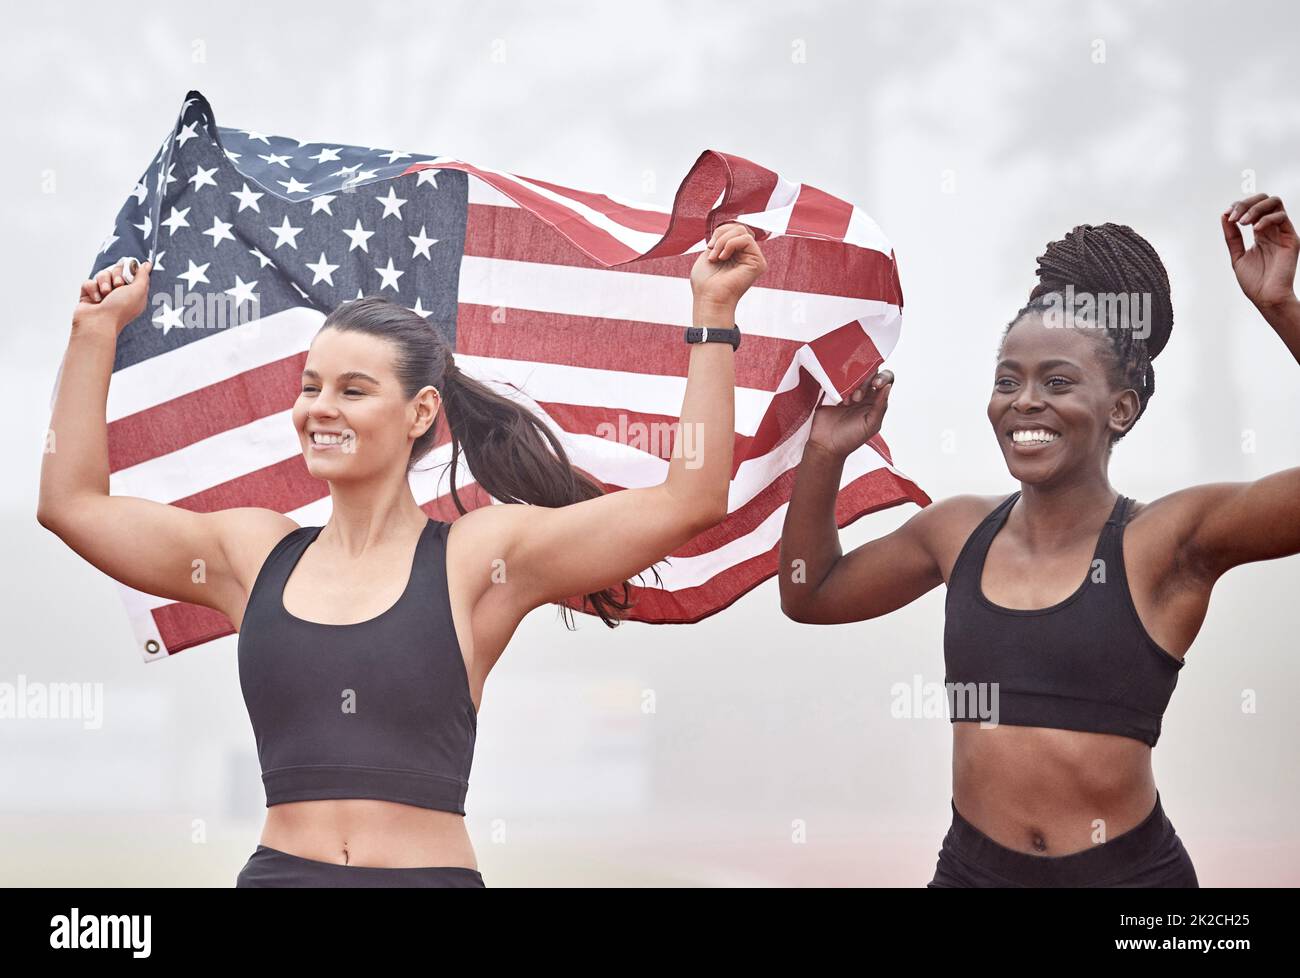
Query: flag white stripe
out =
(775, 217)
(267, 441)
(635, 297)
(862, 231)
(226, 354)
(482, 192)
(687, 572)
(638, 241)
(496, 283)
(866, 233)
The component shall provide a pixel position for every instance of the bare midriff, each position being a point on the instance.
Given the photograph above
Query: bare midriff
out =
(1050, 792)
(368, 832)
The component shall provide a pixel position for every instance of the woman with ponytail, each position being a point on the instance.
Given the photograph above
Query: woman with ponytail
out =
(364, 644)
(1062, 685)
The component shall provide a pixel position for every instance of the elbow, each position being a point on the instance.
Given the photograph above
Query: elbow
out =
(792, 613)
(717, 512)
(50, 513)
(694, 513)
(706, 517)
(50, 502)
(45, 515)
(51, 521)
(795, 610)
(794, 597)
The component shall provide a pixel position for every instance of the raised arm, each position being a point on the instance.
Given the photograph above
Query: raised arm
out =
(1230, 523)
(819, 585)
(552, 553)
(156, 548)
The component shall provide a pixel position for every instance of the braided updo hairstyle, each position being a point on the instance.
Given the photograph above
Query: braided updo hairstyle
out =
(1109, 258)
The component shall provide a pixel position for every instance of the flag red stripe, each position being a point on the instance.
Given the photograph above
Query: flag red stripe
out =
(181, 625)
(793, 264)
(581, 419)
(609, 344)
(172, 425)
(596, 242)
(284, 486)
(847, 353)
(635, 218)
(873, 491)
(746, 188)
(818, 214)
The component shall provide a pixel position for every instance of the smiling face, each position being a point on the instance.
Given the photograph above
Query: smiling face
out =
(1053, 408)
(352, 418)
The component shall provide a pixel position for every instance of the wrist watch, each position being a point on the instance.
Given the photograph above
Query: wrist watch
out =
(714, 334)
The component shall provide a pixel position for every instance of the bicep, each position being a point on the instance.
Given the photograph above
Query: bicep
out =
(875, 578)
(552, 553)
(158, 548)
(1231, 523)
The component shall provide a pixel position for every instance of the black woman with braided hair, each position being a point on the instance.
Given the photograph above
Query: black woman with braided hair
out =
(1068, 681)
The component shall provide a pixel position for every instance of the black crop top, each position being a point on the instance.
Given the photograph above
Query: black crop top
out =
(1084, 663)
(377, 709)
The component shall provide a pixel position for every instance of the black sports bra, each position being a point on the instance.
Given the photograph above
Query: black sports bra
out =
(378, 709)
(1085, 663)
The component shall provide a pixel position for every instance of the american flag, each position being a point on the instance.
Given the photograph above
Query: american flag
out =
(569, 301)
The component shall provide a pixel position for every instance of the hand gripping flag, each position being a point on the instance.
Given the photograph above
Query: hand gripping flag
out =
(569, 301)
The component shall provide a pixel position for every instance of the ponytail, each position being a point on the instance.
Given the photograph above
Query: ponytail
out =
(512, 454)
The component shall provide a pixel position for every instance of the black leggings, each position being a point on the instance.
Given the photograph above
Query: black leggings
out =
(271, 867)
(1148, 855)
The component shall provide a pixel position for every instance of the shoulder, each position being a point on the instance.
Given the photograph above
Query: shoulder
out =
(247, 535)
(485, 534)
(480, 552)
(944, 526)
(250, 524)
(487, 524)
(495, 532)
(496, 525)
(1184, 506)
(955, 516)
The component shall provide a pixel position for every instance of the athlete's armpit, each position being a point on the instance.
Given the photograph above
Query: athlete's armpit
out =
(1225, 524)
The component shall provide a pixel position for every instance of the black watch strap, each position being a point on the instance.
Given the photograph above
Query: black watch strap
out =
(713, 334)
